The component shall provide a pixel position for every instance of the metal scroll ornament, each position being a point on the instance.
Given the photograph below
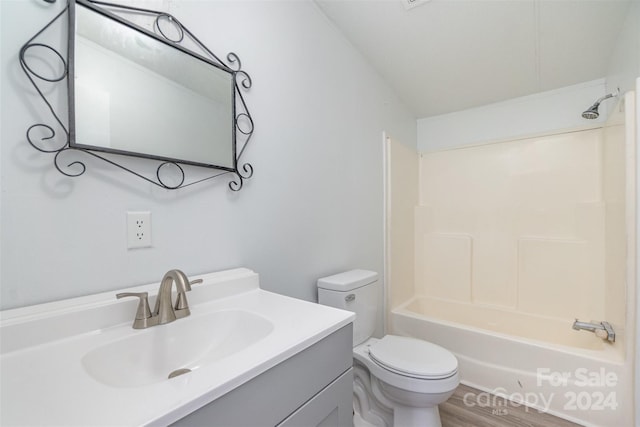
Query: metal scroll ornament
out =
(55, 139)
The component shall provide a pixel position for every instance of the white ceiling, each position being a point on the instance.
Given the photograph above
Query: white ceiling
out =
(450, 55)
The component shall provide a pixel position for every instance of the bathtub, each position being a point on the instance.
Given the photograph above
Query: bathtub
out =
(540, 362)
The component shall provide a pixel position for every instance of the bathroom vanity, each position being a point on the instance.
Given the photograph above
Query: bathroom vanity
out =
(244, 356)
(312, 388)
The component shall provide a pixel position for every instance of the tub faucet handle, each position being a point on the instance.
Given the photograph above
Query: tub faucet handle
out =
(602, 330)
(610, 334)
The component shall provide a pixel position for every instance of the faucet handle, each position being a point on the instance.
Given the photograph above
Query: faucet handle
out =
(143, 313)
(181, 300)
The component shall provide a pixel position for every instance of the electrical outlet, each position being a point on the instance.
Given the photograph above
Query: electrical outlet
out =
(138, 230)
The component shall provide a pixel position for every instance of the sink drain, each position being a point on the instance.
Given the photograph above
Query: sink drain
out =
(179, 372)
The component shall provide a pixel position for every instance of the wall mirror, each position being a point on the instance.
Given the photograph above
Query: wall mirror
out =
(161, 95)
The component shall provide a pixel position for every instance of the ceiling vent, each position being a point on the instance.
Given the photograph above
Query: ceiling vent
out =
(410, 4)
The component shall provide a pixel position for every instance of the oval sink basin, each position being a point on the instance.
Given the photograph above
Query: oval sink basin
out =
(152, 355)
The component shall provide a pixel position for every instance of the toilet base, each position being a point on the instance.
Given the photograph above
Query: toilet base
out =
(358, 421)
(406, 416)
(373, 409)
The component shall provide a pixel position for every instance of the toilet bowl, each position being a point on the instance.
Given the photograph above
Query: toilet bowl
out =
(410, 389)
(398, 381)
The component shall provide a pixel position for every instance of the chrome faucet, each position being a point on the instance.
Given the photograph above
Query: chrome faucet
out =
(603, 330)
(164, 311)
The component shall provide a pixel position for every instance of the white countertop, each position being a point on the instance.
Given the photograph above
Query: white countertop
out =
(43, 381)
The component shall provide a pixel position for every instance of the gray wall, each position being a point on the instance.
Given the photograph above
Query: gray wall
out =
(314, 206)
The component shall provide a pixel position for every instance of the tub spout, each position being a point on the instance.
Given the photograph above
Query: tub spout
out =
(603, 330)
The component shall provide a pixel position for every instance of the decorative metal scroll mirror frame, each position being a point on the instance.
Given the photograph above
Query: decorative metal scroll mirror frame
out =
(41, 135)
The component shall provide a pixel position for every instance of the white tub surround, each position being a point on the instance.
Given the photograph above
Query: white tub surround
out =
(513, 241)
(47, 351)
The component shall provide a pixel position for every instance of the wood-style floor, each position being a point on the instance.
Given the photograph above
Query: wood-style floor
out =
(495, 413)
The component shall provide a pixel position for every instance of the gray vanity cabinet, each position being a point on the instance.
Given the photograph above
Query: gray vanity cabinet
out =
(311, 388)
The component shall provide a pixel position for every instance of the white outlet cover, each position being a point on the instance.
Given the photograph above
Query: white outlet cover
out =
(138, 230)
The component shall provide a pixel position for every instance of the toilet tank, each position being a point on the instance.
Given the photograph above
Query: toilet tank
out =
(356, 291)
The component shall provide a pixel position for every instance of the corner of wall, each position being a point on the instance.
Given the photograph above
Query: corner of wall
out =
(624, 65)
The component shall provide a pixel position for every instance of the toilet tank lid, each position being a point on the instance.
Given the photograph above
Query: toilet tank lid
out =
(348, 281)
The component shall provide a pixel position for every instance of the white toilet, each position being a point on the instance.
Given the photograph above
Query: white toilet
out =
(398, 381)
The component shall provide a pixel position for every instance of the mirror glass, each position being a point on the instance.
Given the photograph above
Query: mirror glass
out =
(136, 94)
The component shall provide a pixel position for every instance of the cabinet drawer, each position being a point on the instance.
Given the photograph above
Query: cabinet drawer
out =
(332, 407)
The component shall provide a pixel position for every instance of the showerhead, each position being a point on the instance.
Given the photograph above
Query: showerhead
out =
(592, 113)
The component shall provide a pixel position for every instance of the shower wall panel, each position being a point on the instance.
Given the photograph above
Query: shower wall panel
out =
(614, 179)
(521, 225)
(402, 197)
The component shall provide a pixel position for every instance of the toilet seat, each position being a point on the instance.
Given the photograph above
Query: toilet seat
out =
(413, 358)
(362, 354)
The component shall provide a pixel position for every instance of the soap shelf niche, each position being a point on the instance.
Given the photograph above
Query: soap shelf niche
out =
(170, 173)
